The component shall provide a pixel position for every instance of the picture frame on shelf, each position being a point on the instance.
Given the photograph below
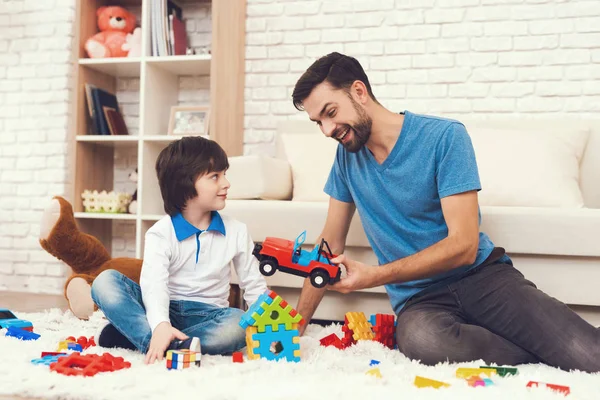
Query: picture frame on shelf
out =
(189, 121)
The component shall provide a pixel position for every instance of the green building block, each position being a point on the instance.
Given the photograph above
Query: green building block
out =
(502, 371)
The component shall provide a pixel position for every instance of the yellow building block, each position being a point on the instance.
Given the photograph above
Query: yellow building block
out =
(466, 373)
(374, 372)
(251, 344)
(421, 382)
(361, 328)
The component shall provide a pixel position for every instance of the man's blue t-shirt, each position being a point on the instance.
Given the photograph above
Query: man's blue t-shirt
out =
(398, 201)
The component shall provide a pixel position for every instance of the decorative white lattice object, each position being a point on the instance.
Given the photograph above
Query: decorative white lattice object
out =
(103, 202)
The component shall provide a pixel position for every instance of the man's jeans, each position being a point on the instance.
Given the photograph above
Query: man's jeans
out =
(121, 301)
(495, 314)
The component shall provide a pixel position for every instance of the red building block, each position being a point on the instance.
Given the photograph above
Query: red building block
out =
(238, 357)
(332, 340)
(562, 389)
(384, 329)
(348, 339)
(88, 365)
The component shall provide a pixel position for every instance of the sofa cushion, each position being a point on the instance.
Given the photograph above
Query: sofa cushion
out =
(549, 231)
(529, 168)
(259, 177)
(522, 230)
(311, 156)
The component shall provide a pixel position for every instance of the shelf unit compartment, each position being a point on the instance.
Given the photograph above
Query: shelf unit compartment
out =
(196, 17)
(128, 94)
(123, 238)
(94, 170)
(160, 92)
(99, 168)
(88, 20)
(101, 229)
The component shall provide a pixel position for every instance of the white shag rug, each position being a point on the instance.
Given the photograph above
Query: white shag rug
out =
(323, 373)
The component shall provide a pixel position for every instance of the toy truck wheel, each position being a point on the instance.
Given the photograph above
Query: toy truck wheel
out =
(319, 278)
(268, 266)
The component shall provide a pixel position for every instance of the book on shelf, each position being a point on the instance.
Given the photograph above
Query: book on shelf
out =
(116, 123)
(168, 36)
(103, 110)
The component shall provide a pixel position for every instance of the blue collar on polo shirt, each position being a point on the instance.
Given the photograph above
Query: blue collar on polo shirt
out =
(183, 229)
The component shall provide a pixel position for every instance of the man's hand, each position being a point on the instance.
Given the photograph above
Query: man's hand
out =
(358, 275)
(163, 335)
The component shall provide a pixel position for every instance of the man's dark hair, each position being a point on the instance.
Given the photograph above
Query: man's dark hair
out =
(339, 70)
(179, 165)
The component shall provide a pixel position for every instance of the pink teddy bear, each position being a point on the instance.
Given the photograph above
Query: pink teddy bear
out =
(114, 23)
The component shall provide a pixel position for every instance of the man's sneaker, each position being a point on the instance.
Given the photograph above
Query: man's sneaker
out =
(110, 337)
(192, 344)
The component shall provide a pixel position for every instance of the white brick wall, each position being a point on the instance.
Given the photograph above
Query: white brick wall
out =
(445, 57)
(35, 88)
(452, 58)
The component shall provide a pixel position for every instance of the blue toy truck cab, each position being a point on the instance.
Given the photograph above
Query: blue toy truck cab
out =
(303, 257)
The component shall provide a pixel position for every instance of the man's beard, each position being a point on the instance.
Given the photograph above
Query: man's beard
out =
(361, 130)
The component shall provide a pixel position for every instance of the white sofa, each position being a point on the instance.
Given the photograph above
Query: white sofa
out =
(540, 201)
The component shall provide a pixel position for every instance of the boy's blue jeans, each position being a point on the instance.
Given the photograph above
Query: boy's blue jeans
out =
(120, 299)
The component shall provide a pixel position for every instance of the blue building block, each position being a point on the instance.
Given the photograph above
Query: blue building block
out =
(373, 362)
(74, 346)
(21, 333)
(290, 340)
(257, 307)
(47, 360)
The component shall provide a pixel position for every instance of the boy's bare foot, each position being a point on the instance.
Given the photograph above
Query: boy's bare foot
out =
(79, 295)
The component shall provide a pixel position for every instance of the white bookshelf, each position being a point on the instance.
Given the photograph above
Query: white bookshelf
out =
(93, 161)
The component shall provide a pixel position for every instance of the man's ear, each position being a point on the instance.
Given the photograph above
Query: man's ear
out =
(359, 92)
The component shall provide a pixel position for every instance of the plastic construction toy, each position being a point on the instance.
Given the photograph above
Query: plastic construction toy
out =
(374, 372)
(359, 326)
(8, 319)
(47, 360)
(272, 329)
(69, 345)
(467, 373)
(89, 364)
(180, 359)
(82, 341)
(238, 357)
(384, 328)
(332, 340)
(558, 388)
(287, 256)
(21, 333)
(475, 381)
(502, 371)
(53, 353)
(421, 382)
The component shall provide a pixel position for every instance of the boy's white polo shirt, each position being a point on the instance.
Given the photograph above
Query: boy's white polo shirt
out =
(182, 262)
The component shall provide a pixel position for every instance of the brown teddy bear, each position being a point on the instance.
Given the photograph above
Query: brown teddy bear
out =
(87, 257)
(114, 23)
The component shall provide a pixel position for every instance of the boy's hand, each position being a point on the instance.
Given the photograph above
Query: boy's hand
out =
(163, 335)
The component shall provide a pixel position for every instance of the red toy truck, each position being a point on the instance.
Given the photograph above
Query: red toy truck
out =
(287, 256)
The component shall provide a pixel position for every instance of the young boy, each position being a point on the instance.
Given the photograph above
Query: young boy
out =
(182, 298)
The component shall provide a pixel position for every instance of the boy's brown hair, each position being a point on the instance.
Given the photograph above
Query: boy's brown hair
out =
(181, 163)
